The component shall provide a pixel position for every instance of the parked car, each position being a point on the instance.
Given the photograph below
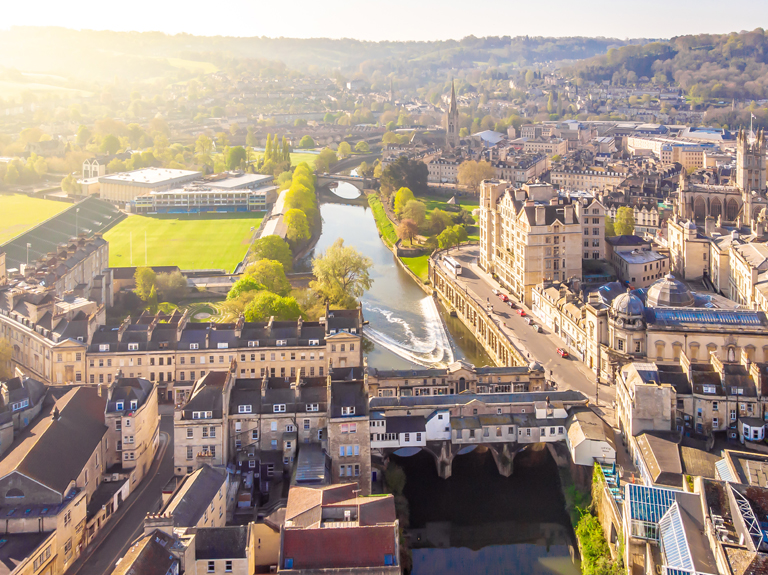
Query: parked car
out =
(562, 353)
(529, 320)
(521, 312)
(495, 291)
(536, 327)
(511, 304)
(503, 297)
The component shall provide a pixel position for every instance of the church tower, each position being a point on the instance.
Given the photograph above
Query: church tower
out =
(750, 161)
(452, 126)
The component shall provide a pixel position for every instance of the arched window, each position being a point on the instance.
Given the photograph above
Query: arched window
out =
(14, 493)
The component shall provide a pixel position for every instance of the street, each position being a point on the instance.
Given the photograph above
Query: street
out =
(568, 373)
(101, 555)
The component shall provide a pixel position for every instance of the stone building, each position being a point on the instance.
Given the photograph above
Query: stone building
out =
(528, 235)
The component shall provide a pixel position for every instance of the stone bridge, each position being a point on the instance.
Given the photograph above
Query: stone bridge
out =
(503, 453)
(360, 182)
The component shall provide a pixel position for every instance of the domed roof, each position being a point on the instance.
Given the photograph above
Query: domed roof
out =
(628, 304)
(669, 292)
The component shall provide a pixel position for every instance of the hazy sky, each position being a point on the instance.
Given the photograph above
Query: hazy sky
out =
(398, 19)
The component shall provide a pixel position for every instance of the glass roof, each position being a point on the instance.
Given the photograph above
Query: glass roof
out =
(648, 503)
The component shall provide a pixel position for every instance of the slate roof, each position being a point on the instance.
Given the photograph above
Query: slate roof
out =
(406, 424)
(662, 458)
(54, 453)
(17, 547)
(351, 547)
(188, 504)
(566, 396)
(221, 542)
(149, 555)
(207, 395)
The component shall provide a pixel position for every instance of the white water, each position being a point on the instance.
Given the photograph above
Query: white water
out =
(433, 350)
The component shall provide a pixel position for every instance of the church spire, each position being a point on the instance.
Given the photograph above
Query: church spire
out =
(453, 107)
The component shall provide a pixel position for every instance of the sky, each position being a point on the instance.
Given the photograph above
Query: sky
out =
(398, 19)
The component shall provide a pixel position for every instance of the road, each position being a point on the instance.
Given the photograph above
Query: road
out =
(567, 373)
(100, 557)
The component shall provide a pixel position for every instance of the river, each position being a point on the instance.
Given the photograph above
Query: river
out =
(477, 521)
(406, 327)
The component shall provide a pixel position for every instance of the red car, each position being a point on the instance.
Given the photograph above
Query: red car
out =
(521, 312)
(503, 297)
(562, 353)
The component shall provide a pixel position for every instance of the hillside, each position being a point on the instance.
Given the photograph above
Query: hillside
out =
(705, 66)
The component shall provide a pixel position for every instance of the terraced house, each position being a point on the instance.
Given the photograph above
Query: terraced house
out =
(174, 352)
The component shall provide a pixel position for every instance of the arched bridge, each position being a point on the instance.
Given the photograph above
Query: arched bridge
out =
(360, 182)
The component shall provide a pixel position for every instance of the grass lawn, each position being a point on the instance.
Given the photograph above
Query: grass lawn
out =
(298, 157)
(18, 213)
(434, 202)
(386, 229)
(418, 265)
(189, 241)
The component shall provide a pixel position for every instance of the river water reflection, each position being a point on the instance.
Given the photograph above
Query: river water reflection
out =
(407, 327)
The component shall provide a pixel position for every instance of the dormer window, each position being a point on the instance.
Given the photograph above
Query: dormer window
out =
(194, 346)
(253, 343)
(314, 342)
(347, 411)
(282, 342)
(119, 406)
(104, 347)
(133, 347)
(244, 409)
(313, 407)
(223, 345)
(278, 408)
(134, 404)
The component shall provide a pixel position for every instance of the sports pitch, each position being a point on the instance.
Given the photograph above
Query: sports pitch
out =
(191, 241)
(18, 213)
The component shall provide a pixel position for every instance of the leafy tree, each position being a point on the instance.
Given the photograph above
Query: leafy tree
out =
(402, 197)
(203, 145)
(365, 169)
(300, 122)
(266, 305)
(110, 144)
(6, 355)
(448, 238)
(307, 143)
(83, 135)
(394, 477)
(250, 138)
(464, 217)
(325, 159)
(407, 230)
(222, 139)
(415, 211)
(234, 129)
(625, 221)
(244, 284)
(236, 157)
(362, 147)
(69, 184)
(298, 227)
(609, 230)
(344, 150)
(342, 274)
(404, 173)
(145, 279)
(172, 287)
(438, 221)
(11, 175)
(471, 173)
(271, 275)
(152, 300)
(273, 248)
(329, 118)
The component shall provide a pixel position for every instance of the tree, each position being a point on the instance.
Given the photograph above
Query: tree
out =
(244, 284)
(235, 157)
(438, 221)
(11, 175)
(307, 143)
(266, 305)
(273, 248)
(407, 230)
(448, 238)
(271, 275)
(402, 197)
(415, 211)
(609, 231)
(342, 274)
(152, 300)
(172, 286)
(83, 135)
(145, 279)
(624, 225)
(471, 173)
(394, 476)
(250, 138)
(298, 227)
(362, 147)
(6, 355)
(344, 151)
(365, 169)
(222, 139)
(203, 145)
(404, 173)
(69, 184)
(325, 159)
(109, 145)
